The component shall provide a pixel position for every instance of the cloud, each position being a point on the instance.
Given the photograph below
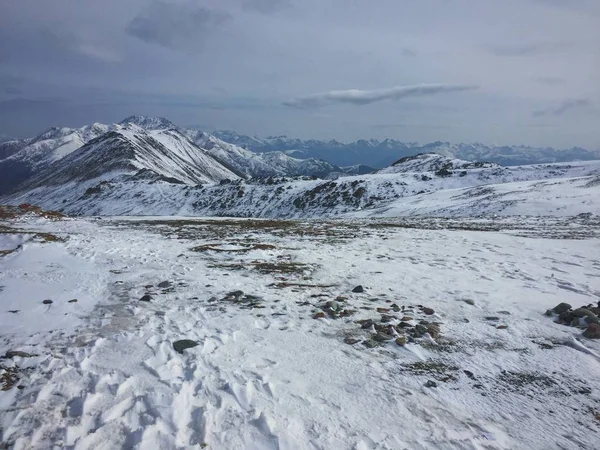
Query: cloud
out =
(97, 52)
(361, 97)
(266, 6)
(550, 81)
(564, 107)
(175, 25)
(530, 49)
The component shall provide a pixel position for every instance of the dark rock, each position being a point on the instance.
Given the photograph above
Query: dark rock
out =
(592, 332)
(566, 317)
(386, 319)
(430, 384)
(351, 341)
(469, 374)
(181, 345)
(146, 298)
(149, 286)
(383, 310)
(401, 341)
(382, 337)
(47, 302)
(332, 304)
(589, 316)
(358, 289)
(403, 325)
(428, 311)
(433, 330)
(469, 301)
(506, 313)
(367, 323)
(164, 284)
(370, 343)
(73, 300)
(420, 330)
(561, 308)
(406, 319)
(14, 311)
(16, 353)
(319, 315)
(492, 318)
(395, 307)
(502, 327)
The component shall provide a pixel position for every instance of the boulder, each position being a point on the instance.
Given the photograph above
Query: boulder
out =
(561, 308)
(592, 332)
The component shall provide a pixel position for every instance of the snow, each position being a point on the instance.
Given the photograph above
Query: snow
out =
(106, 374)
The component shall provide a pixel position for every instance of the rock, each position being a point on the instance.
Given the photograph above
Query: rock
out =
(164, 284)
(502, 327)
(492, 318)
(319, 315)
(383, 310)
(406, 319)
(591, 319)
(433, 330)
(149, 286)
(351, 341)
(181, 345)
(469, 301)
(332, 304)
(506, 313)
(420, 330)
(358, 289)
(589, 316)
(592, 332)
(561, 308)
(403, 325)
(370, 343)
(395, 307)
(386, 319)
(14, 311)
(73, 301)
(367, 323)
(430, 384)
(566, 317)
(234, 295)
(341, 298)
(16, 353)
(146, 298)
(47, 302)
(401, 341)
(549, 312)
(382, 337)
(428, 311)
(469, 374)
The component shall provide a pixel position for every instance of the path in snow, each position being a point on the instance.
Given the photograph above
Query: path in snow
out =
(272, 377)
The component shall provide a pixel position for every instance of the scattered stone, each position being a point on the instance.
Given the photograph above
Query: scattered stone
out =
(47, 302)
(469, 301)
(351, 341)
(341, 298)
(370, 343)
(566, 317)
(403, 325)
(492, 318)
(433, 330)
(183, 344)
(319, 315)
(506, 313)
(16, 353)
(382, 337)
(430, 384)
(73, 300)
(149, 286)
(420, 330)
(469, 374)
(406, 319)
(332, 304)
(588, 316)
(386, 319)
(428, 311)
(367, 323)
(164, 284)
(146, 298)
(401, 341)
(358, 289)
(395, 307)
(561, 308)
(14, 311)
(465, 320)
(502, 327)
(383, 310)
(592, 332)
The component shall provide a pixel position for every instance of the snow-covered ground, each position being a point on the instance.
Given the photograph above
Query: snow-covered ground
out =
(102, 372)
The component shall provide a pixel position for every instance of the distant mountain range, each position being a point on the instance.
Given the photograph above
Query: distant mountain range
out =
(147, 165)
(378, 154)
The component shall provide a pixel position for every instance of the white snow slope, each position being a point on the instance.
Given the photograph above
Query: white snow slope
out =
(102, 372)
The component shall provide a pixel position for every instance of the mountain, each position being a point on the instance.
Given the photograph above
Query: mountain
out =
(5, 138)
(29, 156)
(259, 165)
(379, 154)
(149, 122)
(433, 162)
(126, 155)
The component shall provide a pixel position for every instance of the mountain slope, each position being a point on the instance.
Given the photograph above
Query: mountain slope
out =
(39, 152)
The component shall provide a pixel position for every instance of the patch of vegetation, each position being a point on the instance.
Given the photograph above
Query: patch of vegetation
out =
(244, 248)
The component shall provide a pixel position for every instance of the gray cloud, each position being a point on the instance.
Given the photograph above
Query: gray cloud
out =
(266, 6)
(175, 25)
(530, 49)
(564, 107)
(362, 97)
(550, 81)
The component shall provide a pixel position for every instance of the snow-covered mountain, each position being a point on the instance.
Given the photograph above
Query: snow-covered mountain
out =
(382, 153)
(259, 165)
(28, 156)
(129, 150)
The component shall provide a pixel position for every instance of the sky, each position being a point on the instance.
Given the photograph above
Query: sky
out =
(497, 72)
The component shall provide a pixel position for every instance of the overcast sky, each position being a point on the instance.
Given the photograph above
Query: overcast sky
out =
(498, 72)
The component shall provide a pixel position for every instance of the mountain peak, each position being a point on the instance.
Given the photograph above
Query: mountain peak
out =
(148, 122)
